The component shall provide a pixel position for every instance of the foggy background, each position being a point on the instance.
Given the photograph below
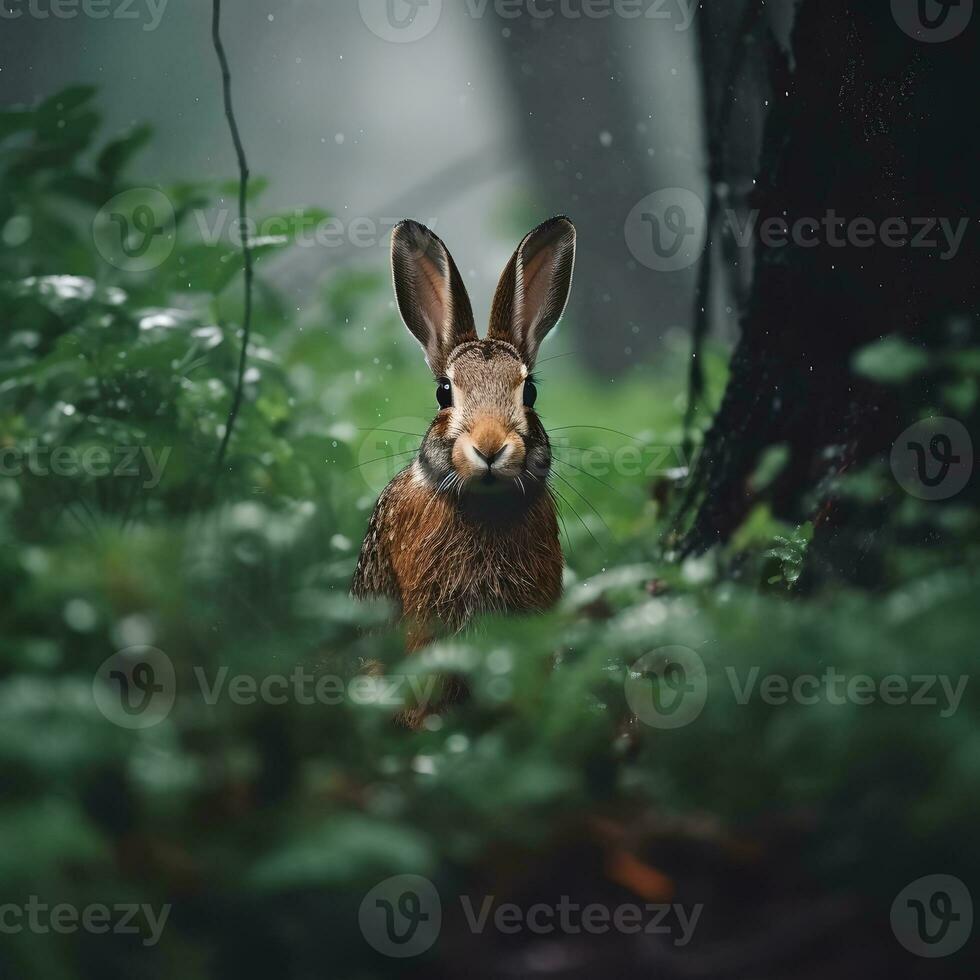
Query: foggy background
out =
(483, 127)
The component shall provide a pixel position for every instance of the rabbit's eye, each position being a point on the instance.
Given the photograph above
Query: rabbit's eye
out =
(530, 393)
(444, 393)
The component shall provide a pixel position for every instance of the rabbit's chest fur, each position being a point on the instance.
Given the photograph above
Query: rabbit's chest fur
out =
(446, 563)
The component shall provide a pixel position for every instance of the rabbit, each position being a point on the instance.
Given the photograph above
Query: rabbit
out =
(470, 526)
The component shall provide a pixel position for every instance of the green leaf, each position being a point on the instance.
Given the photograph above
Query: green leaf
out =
(64, 121)
(67, 100)
(890, 360)
(116, 155)
(16, 121)
(340, 850)
(774, 460)
(256, 188)
(48, 833)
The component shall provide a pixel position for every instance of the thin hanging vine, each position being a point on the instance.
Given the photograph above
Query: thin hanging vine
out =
(236, 402)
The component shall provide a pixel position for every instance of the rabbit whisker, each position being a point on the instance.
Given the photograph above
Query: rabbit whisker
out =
(561, 517)
(565, 501)
(554, 357)
(397, 432)
(595, 510)
(599, 428)
(565, 462)
(408, 452)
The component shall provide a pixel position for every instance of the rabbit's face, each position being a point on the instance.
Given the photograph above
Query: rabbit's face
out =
(487, 433)
(487, 436)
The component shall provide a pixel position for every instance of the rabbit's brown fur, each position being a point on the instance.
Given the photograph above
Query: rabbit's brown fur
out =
(470, 527)
(444, 563)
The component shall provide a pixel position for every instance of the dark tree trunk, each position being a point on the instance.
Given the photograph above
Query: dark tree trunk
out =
(869, 123)
(737, 45)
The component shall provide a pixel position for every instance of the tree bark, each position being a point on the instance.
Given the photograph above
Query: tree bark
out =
(868, 125)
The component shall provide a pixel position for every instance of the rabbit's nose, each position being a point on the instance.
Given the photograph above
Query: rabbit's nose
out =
(488, 437)
(490, 457)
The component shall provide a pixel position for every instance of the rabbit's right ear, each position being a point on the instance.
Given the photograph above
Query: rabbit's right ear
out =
(431, 296)
(534, 288)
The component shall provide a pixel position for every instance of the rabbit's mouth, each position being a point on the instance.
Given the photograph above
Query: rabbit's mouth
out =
(491, 483)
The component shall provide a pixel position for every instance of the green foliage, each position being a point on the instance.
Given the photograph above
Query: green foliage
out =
(236, 813)
(891, 360)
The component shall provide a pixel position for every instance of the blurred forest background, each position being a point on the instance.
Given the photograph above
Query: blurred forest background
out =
(725, 437)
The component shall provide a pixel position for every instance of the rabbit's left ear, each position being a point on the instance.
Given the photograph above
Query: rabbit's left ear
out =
(533, 290)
